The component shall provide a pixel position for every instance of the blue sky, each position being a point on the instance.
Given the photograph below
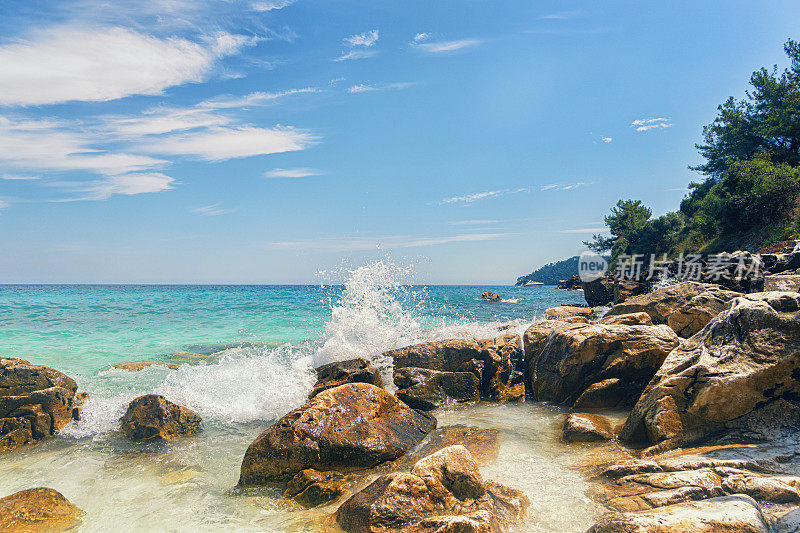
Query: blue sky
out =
(261, 141)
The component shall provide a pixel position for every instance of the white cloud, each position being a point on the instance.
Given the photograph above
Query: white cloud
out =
(448, 46)
(606, 140)
(645, 124)
(97, 64)
(360, 88)
(470, 198)
(300, 172)
(252, 99)
(562, 187)
(163, 120)
(420, 37)
(363, 39)
(356, 54)
(221, 143)
(270, 5)
(472, 222)
(384, 243)
(4, 204)
(128, 184)
(363, 87)
(585, 230)
(20, 178)
(212, 210)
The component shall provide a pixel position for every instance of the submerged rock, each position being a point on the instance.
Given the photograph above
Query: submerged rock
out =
(443, 492)
(586, 427)
(35, 402)
(136, 366)
(731, 514)
(737, 377)
(153, 417)
(496, 362)
(37, 510)
(311, 488)
(340, 372)
(490, 296)
(426, 389)
(356, 425)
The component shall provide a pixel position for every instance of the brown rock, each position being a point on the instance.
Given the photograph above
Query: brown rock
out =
(153, 417)
(610, 393)
(482, 444)
(692, 316)
(761, 488)
(491, 296)
(311, 488)
(737, 377)
(535, 339)
(661, 303)
(731, 514)
(568, 311)
(136, 366)
(443, 490)
(630, 319)
(351, 371)
(585, 427)
(782, 283)
(497, 363)
(35, 401)
(357, 425)
(599, 292)
(426, 389)
(37, 510)
(577, 357)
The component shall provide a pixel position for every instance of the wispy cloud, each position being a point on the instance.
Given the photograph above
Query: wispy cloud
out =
(560, 15)
(360, 88)
(3, 205)
(362, 39)
(212, 210)
(598, 229)
(128, 184)
(20, 178)
(470, 198)
(97, 64)
(447, 46)
(299, 172)
(421, 37)
(356, 54)
(252, 99)
(270, 5)
(606, 140)
(383, 243)
(364, 87)
(562, 187)
(472, 222)
(646, 124)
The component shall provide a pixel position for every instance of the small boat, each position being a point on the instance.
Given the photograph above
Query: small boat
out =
(532, 283)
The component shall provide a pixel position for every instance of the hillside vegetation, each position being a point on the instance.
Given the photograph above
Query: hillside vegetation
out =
(552, 273)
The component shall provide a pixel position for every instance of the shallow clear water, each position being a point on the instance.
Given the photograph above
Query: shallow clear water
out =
(260, 345)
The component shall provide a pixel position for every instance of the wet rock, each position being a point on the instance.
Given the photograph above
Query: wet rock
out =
(732, 514)
(483, 444)
(356, 425)
(491, 296)
(153, 417)
(630, 319)
(496, 362)
(610, 393)
(692, 316)
(761, 488)
(426, 389)
(663, 302)
(37, 510)
(534, 341)
(351, 371)
(737, 377)
(311, 488)
(579, 356)
(568, 311)
(77, 407)
(586, 427)
(35, 402)
(137, 366)
(443, 490)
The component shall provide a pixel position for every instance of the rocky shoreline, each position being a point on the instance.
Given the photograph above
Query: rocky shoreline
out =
(708, 379)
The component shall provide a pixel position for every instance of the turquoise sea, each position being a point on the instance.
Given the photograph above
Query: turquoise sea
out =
(251, 355)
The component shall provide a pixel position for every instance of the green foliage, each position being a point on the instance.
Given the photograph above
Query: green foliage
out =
(552, 273)
(627, 218)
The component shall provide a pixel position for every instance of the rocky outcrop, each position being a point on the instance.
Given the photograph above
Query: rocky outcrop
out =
(497, 363)
(356, 425)
(692, 316)
(570, 284)
(782, 282)
(37, 510)
(35, 402)
(311, 488)
(630, 319)
(490, 296)
(443, 492)
(612, 393)
(153, 418)
(660, 304)
(340, 372)
(568, 311)
(586, 427)
(136, 366)
(426, 389)
(599, 292)
(737, 377)
(579, 356)
(731, 514)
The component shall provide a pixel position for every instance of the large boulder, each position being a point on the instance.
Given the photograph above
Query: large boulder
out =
(37, 510)
(731, 514)
(586, 427)
(153, 418)
(737, 377)
(568, 311)
(357, 370)
(599, 292)
(577, 357)
(357, 425)
(692, 316)
(496, 362)
(35, 401)
(443, 492)
(426, 389)
(661, 303)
